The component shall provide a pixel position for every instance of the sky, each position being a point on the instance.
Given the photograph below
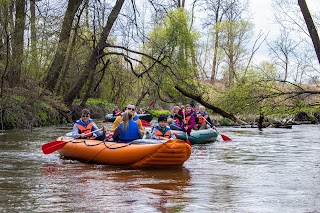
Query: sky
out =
(263, 18)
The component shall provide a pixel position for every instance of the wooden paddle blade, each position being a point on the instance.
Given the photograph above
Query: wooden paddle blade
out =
(52, 146)
(225, 138)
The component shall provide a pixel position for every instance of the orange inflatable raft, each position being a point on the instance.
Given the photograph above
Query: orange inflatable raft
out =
(138, 153)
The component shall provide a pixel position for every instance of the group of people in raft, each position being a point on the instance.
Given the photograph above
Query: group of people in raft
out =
(128, 127)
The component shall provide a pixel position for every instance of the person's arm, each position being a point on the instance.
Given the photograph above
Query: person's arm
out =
(171, 135)
(98, 133)
(209, 121)
(191, 124)
(116, 134)
(154, 133)
(140, 126)
(75, 131)
(116, 123)
(140, 134)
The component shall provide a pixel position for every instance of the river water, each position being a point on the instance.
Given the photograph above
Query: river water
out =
(273, 170)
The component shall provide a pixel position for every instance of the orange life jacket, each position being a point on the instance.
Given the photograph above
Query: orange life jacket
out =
(188, 117)
(117, 112)
(167, 132)
(178, 121)
(202, 118)
(85, 129)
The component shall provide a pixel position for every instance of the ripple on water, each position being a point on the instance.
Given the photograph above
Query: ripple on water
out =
(274, 170)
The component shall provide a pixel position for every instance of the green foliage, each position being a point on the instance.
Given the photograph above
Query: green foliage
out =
(226, 122)
(156, 113)
(42, 115)
(96, 101)
(26, 112)
(239, 98)
(19, 98)
(249, 95)
(175, 39)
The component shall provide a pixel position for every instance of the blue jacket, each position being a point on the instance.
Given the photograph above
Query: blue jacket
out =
(132, 133)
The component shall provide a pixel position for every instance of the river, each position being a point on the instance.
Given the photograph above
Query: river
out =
(273, 170)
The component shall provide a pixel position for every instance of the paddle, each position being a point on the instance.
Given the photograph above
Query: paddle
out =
(187, 139)
(150, 105)
(55, 145)
(109, 136)
(224, 137)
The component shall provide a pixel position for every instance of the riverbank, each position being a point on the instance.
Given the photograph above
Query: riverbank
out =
(20, 113)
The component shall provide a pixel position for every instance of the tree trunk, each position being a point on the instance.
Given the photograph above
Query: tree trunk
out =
(94, 58)
(142, 96)
(209, 106)
(33, 33)
(54, 71)
(65, 69)
(216, 45)
(18, 44)
(215, 58)
(311, 27)
(90, 86)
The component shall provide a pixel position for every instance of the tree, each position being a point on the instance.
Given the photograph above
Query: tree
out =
(95, 56)
(33, 33)
(282, 49)
(14, 76)
(50, 81)
(216, 12)
(311, 27)
(173, 43)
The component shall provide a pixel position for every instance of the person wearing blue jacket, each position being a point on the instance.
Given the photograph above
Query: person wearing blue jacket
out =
(128, 130)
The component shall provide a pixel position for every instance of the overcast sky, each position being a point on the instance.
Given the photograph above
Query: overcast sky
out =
(263, 18)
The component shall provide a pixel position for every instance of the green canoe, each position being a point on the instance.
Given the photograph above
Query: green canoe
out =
(198, 136)
(111, 118)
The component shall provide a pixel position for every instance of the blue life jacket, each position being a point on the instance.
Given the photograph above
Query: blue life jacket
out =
(135, 118)
(130, 134)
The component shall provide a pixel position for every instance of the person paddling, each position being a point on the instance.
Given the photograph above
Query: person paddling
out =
(188, 118)
(175, 120)
(85, 125)
(203, 119)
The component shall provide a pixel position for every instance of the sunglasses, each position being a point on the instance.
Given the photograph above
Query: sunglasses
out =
(131, 109)
(85, 116)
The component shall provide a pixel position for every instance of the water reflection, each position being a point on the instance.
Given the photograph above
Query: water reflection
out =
(114, 189)
(274, 170)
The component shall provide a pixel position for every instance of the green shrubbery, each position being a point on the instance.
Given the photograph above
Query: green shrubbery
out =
(156, 113)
